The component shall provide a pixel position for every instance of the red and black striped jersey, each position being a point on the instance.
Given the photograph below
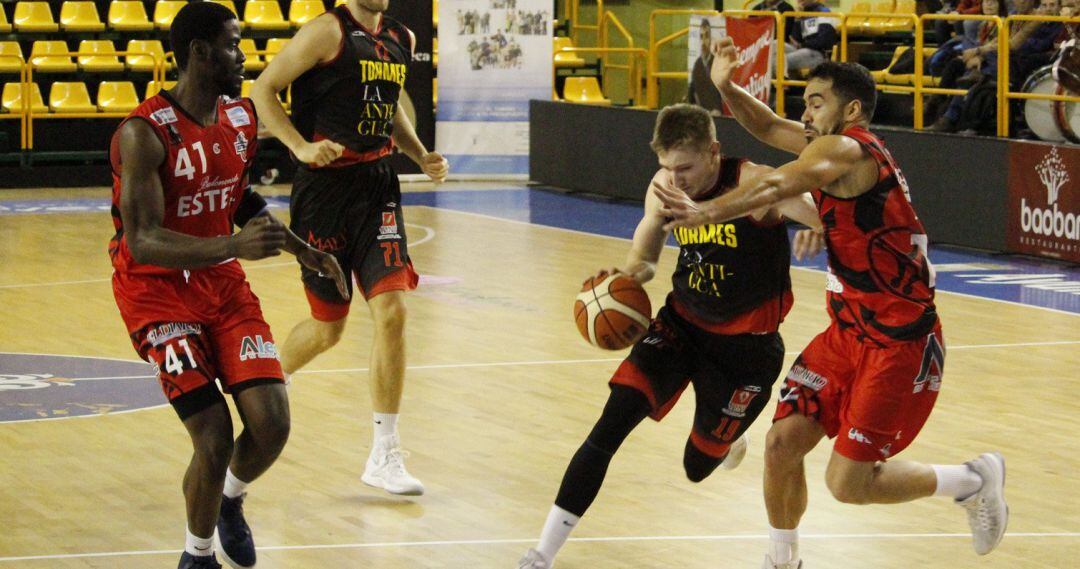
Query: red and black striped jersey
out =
(203, 176)
(352, 99)
(880, 284)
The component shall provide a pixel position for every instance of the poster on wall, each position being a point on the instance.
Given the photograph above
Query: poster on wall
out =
(1044, 200)
(494, 56)
(753, 39)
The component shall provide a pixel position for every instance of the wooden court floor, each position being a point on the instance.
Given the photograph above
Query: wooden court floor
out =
(500, 392)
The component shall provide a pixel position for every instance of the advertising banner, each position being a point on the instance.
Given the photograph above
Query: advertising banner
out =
(1044, 200)
(753, 39)
(494, 56)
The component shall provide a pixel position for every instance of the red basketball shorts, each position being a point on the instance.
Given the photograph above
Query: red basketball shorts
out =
(196, 330)
(872, 400)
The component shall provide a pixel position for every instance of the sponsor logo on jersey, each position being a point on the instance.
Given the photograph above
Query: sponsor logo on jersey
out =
(741, 399)
(164, 116)
(803, 376)
(389, 227)
(241, 145)
(238, 116)
(35, 387)
(252, 348)
(858, 436)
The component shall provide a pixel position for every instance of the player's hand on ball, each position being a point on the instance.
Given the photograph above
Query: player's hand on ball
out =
(807, 243)
(261, 237)
(435, 166)
(327, 266)
(319, 153)
(678, 208)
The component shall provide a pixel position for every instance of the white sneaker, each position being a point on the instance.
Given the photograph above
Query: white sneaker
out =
(768, 564)
(988, 514)
(533, 559)
(386, 469)
(735, 454)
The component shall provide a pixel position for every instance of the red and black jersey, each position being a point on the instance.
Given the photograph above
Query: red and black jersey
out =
(352, 100)
(203, 176)
(733, 277)
(880, 284)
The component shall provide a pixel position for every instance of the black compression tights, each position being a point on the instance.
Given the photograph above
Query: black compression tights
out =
(625, 409)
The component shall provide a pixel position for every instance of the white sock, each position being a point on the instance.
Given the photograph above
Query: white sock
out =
(956, 481)
(233, 485)
(287, 377)
(385, 424)
(199, 546)
(557, 528)
(783, 545)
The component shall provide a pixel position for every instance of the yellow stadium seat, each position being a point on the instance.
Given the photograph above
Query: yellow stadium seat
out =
(5, 25)
(98, 56)
(245, 87)
(584, 90)
(128, 16)
(876, 26)
(152, 88)
(273, 46)
(909, 78)
(253, 61)
(165, 11)
(117, 97)
(303, 11)
(70, 97)
(51, 57)
(901, 25)
(12, 98)
(264, 15)
(854, 24)
(435, 14)
(883, 75)
(80, 17)
(569, 59)
(34, 17)
(143, 62)
(435, 52)
(9, 50)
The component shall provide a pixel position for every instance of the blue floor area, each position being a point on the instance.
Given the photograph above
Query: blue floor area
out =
(1002, 277)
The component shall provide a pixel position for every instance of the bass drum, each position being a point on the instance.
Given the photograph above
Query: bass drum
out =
(1053, 121)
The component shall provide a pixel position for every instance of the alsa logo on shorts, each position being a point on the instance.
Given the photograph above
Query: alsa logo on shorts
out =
(256, 348)
(803, 376)
(164, 116)
(389, 226)
(741, 399)
(857, 436)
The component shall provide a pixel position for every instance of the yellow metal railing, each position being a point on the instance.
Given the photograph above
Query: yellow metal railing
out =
(156, 74)
(607, 20)
(634, 74)
(25, 103)
(572, 7)
(1005, 92)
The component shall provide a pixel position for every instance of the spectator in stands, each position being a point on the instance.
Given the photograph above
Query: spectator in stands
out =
(967, 29)
(1032, 44)
(811, 38)
(777, 6)
(980, 62)
(702, 92)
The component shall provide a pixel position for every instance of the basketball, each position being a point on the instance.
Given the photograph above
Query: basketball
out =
(612, 311)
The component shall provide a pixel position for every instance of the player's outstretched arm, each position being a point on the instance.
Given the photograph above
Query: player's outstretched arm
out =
(317, 41)
(755, 116)
(823, 162)
(142, 210)
(649, 238)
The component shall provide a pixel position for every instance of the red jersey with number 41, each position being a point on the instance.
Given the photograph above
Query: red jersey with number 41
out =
(203, 176)
(880, 282)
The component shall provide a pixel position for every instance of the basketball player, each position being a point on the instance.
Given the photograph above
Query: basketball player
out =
(347, 69)
(871, 378)
(180, 165)
(718, 328)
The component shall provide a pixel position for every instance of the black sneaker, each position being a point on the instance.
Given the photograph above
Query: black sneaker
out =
(189, 561)
(234, 535)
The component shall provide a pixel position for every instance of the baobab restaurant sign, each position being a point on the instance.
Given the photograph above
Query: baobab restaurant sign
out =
(1044, 200)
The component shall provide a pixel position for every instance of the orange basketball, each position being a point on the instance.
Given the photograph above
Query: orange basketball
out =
(612, 312)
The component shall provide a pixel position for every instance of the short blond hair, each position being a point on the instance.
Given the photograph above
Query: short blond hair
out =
(683, 125)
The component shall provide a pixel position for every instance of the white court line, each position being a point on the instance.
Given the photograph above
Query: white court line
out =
(440, 543)
(429, 234)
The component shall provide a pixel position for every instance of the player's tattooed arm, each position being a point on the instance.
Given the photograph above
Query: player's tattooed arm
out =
(142, 212)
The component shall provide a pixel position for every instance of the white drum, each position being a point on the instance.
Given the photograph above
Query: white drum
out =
(1053, 121)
